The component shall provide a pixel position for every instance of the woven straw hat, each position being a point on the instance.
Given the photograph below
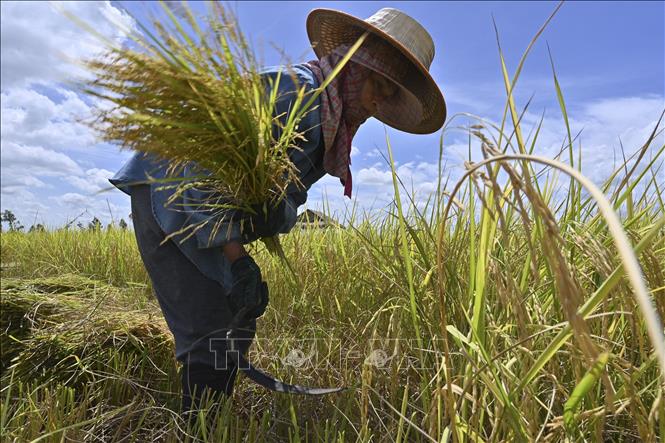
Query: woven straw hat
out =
(405, 48)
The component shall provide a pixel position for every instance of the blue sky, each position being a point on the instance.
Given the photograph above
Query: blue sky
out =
(609, 56)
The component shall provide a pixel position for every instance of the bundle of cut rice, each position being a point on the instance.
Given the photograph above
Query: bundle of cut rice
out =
(191, 92)
(64, 329)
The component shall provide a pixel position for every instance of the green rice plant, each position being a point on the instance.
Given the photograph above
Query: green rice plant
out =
(71, 256)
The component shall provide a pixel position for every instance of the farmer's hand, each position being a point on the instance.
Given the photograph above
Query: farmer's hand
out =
(268, 219)
(249, 291)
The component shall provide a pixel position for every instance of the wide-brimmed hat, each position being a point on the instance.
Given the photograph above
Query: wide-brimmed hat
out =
(406, 50)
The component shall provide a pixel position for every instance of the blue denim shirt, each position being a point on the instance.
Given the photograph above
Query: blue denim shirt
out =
(203, 248)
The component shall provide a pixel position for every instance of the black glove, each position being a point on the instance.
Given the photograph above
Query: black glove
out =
(268, 219)
(248, 292)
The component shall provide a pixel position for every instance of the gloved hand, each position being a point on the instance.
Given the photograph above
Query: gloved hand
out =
(268, 219)
(248, 292)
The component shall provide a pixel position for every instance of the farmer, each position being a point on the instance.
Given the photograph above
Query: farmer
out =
(201, 282)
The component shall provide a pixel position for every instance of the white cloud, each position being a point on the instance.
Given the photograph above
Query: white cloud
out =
(374, 177)
(75, 200)
(93, 205)
(26, 206)
(13, 182)
(617, 112)
(94, 180)
(25, 191)
(33, 118)
(374, 153)
(373, 189)
(35, 160)
(604, 125)
(40, 43)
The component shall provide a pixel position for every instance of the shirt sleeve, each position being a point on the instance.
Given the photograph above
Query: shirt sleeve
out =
(214, 227)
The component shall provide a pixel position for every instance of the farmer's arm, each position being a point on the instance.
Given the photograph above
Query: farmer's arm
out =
(233, 251)
(308, 158)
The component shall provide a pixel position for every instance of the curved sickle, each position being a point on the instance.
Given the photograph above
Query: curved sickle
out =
(260, 377)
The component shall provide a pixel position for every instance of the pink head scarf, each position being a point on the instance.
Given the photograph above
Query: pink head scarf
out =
(341, 111)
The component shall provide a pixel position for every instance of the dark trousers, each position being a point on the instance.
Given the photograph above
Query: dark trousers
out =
(195, 307)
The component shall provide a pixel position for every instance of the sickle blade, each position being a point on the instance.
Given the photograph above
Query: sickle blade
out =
(264, 379)
(270, 382)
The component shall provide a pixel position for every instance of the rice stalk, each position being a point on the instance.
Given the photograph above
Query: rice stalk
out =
(626, 252)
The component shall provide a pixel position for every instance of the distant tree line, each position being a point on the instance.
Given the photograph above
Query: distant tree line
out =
(14, 225)
(8, 217)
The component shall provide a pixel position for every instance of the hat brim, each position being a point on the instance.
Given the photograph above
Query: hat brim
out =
(329, 28)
